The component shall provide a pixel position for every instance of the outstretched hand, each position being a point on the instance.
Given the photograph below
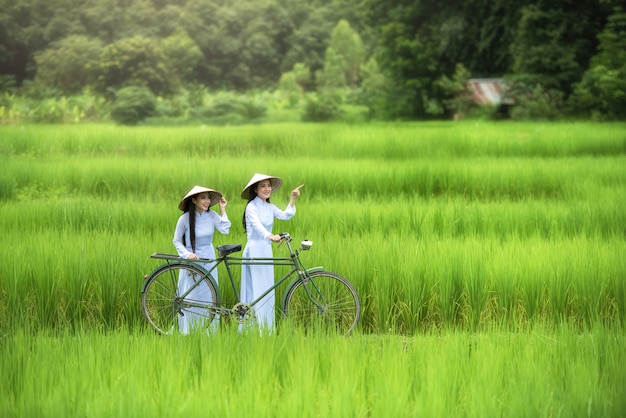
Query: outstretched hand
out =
(296, 192)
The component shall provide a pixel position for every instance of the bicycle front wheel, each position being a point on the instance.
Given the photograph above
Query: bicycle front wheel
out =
(325, 301)
(178, 298)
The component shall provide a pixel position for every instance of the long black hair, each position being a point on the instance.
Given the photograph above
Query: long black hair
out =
(251, 197)
(190, 209)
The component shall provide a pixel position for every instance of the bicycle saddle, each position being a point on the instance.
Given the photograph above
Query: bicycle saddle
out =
(228, 249)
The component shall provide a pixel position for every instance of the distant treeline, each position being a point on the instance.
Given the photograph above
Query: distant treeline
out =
(398, 59)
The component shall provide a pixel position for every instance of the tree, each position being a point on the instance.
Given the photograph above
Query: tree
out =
(332, 77)
(64, 65)
(133, 104)
(303, 76)
(478, 34)
(409, 58)
(248, 44)
(293, 84)
(243, 42)
(183, 55)
(551, 45)
(458, 96)
(289, 88)
(602, 90)
(347, 45)
(136, 61)
(170, 19)
(22, 31)
(308, 43)
(106, 20)
(375, 90)
(409, 51)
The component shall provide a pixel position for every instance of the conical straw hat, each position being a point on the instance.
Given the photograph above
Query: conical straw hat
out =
(213, 194)
(275, 182)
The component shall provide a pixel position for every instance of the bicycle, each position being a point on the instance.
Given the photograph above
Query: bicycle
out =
(313, 298)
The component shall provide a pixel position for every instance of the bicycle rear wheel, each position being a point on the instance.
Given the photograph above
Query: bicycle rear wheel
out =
(326, 301)
(167, 306)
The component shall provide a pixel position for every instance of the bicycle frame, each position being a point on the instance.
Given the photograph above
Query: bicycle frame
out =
(314, 297)
(293, 260)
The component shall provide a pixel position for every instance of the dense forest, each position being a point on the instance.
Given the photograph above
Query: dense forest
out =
(396, 59)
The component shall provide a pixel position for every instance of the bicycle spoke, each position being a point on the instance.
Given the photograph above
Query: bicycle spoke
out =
(180, 296)
(327, 302)
(163, 306)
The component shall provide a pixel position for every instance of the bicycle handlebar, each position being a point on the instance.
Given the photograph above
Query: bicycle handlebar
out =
(284, 236)
(304, 245)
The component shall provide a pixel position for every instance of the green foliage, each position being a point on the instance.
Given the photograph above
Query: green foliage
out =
(309, 42)
(548, 45)
(458, 97)
(242, 42)
(602, 93)
(227, 108)
(347, 44)
(410, 58)
(321, 108)
(478, 33)
(536, 103)
(488, 112)
(7, 83)
(342, 61)
(602, 90)
(289, 88)
(64, 65)
(84, 107)
(246, 45)
(375, 91)
(302, 74)
(331, 79)
(612, 47)
(133, 104)
(183, 55)
(137, 61)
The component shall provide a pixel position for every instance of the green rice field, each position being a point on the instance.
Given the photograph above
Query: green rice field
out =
(490, 259)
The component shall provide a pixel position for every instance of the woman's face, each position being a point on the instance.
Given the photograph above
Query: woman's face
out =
(264, 189)
(201, 201)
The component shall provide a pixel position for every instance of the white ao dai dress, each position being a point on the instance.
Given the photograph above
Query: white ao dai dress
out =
(255, 280)
(206, 224)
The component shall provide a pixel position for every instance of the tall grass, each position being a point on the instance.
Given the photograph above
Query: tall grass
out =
(489, 259)
(537, 373)
(385, 141)
(86, 265)
(438, 225)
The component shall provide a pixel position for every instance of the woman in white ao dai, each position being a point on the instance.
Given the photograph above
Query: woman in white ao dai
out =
(258, 221)
(193, 239)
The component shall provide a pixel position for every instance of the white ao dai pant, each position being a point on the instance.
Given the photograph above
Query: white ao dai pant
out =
(255, 280)
(206, 223)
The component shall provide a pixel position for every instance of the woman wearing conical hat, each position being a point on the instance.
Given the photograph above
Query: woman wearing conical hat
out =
(193, 239)
(258, 220)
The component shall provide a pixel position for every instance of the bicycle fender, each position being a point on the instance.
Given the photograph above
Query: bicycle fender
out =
(315, 269)
(293, 282)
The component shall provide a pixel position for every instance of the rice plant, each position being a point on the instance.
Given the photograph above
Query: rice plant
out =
(489, 259)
